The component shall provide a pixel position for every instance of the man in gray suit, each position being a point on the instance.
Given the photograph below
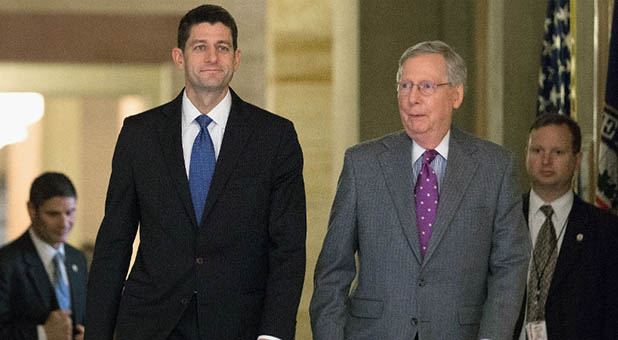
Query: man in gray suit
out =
(434, 218)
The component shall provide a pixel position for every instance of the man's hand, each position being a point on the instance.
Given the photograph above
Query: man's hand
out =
(79, 332)
(59, 325)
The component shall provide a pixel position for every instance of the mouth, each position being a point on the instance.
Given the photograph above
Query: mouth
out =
(416, 116)
(211, 70)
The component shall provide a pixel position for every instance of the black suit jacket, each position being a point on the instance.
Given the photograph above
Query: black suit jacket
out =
(244, 262)
(582, 303)
(26, 294)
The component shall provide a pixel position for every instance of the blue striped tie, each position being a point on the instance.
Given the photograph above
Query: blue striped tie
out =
(60, 286)
(202, 166)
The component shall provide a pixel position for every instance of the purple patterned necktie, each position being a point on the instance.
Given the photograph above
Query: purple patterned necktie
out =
(426, 198)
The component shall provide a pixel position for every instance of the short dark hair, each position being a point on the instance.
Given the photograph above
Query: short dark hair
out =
(49, 185)
(555, 118)
(206, 13)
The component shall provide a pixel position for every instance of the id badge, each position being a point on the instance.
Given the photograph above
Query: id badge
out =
(536, 330)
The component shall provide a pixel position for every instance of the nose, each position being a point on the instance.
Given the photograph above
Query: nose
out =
(546, 158)
(67, 220)
(414, 95)
(211, 55)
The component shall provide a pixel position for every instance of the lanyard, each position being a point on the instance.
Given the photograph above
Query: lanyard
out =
(551, 253)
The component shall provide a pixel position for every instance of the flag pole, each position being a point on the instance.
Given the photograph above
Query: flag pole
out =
(573, 48)
(607, 180)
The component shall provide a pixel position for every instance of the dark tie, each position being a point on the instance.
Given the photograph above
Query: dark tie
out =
(60, 286)
(541, 272)
(426, 198)
(202, 166)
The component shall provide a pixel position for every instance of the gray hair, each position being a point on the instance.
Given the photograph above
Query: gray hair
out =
(455, 66)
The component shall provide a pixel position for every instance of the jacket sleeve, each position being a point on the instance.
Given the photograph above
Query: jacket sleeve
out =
(508, 262)
(336, 266)
(287, 228)
(114, 243)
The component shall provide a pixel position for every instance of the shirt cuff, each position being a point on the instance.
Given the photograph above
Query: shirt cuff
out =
(40, 331)
(267, 337)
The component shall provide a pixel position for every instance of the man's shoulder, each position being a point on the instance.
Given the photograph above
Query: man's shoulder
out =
(10, 253)
(380, 144)
(256, 113)
(598, 215)
(468, 141)
(18, 243)
(171, 108)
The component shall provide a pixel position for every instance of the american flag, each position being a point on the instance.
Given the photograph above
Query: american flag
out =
(555, 72)
(607, 190)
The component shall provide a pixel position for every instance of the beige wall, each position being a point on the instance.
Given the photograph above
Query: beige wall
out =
(76, 135)
(300, 88)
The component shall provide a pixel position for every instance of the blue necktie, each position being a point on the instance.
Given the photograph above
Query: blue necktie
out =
(202, 166)
(60, 286)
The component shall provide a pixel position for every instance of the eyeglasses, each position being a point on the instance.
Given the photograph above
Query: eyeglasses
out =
(425, 87)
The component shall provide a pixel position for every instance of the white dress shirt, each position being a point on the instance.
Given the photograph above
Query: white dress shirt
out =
(46, 254)
(438, 164)
(190, 128)
(536, 218)
(562, 208)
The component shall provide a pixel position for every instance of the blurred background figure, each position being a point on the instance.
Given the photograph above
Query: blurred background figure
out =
(42, 278)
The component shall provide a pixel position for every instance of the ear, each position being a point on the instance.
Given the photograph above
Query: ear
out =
(578, 160)
(236, 59)
(31, 210)
(178, 58)
(458, 94)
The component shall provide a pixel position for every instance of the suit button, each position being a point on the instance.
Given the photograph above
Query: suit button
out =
(421, 283)
(414, 321)
(184, 301)
(199, 260)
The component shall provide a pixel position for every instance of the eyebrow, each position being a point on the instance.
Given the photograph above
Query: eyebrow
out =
(202, 41)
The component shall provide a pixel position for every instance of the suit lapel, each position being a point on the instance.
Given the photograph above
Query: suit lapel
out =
(37, 275)
(396, 165)
(236, 134)
(571, 249)
(72, 269)
(525, 205)
(169, 128)
(460, 168)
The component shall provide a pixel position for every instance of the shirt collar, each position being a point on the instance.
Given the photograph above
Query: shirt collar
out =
(219, 114)
(561, 206)
(46, 252)
(442, 148)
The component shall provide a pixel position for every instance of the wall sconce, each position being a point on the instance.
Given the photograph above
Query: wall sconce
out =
(18, 111)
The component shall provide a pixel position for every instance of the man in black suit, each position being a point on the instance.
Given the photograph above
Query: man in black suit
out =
(226, 263)
(42, 278)
(573, 278)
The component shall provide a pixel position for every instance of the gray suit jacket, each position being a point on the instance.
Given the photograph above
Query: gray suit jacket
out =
(471, 282)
